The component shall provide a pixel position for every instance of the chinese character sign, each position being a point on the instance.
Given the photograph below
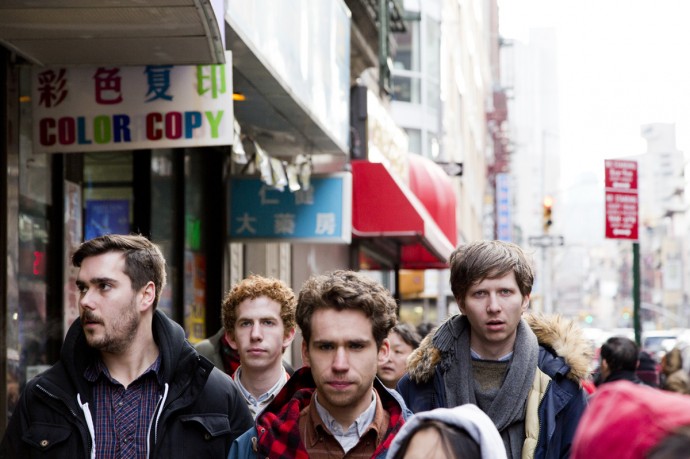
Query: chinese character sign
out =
(322, 213)
(621, 200)
(77, 109)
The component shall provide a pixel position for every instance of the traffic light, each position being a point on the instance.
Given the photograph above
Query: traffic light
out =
(547, 208)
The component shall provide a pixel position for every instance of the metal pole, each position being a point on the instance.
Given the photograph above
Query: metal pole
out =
(383, 45)
(636, 293)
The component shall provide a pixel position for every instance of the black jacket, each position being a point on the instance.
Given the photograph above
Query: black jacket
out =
(201, 414)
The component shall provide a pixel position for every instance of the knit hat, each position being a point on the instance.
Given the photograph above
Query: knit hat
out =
(467, 417)
(625, 420)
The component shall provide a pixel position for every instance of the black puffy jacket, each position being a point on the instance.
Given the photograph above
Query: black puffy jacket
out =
(202, 412)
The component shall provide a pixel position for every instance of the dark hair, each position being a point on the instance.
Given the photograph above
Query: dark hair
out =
(144, 261)
(674, 446)
(472, 263)
(407, 333)
(620, 353)
(425, 328)
(455, 441)
(253, 287)
(342, 290)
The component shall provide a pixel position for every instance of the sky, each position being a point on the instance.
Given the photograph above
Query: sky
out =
(621, 64)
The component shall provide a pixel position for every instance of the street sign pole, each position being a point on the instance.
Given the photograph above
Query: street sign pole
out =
(636, 293)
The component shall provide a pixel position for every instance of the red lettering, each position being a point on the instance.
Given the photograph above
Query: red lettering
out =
(173, 125)
(45, 134)
(153, 132)
(66, 131)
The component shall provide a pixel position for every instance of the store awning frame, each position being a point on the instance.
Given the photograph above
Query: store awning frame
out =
(114, 33)
(384, 207)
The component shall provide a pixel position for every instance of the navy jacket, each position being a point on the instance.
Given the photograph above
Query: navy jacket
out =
(557, 397)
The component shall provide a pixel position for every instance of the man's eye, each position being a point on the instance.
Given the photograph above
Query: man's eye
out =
(325, 347)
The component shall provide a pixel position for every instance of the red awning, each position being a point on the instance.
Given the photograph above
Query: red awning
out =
(383, 206)
(433, 187)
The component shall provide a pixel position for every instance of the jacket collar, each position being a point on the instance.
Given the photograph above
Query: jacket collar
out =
(561, 335)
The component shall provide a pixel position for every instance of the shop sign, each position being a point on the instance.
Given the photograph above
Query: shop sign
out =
(320, 214)
(81, 109)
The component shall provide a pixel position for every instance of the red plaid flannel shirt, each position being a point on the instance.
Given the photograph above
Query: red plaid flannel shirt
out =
(278, 424)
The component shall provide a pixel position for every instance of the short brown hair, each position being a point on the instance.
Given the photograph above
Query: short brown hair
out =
(144, 261)
(472, 263)
(253, 287)
(341, 290)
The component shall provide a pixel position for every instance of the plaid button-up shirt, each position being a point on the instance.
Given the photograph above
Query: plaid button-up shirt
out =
(121, 417)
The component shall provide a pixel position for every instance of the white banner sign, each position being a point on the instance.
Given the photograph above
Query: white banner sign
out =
(80, 109)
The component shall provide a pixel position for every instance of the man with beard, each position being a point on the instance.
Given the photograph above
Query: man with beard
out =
(128, 384)
(334, 406)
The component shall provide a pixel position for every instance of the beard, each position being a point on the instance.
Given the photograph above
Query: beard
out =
(119, 335)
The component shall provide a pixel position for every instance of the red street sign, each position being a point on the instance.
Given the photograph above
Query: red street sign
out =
(621, 215)
(622, 200)
(621, 174)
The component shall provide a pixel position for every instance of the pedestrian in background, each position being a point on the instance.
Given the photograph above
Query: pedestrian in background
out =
(259, 318)
(334, 406)
(463, 432)
(648, 369)
(673, 377)
(403, 340)
(128, 383)
(619, 360)
(634, 421)
(525, 374)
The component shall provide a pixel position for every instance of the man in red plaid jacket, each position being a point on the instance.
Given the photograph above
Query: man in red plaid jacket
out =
(333, 407)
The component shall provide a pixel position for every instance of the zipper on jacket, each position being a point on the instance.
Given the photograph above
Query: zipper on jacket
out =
(153, 423)
(541, 421)
(80, 424)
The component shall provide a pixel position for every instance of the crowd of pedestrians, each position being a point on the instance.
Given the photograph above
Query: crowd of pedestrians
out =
(492, 382)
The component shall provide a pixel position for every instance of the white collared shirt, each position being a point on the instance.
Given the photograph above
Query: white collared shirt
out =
(348, 439)
(256, 405)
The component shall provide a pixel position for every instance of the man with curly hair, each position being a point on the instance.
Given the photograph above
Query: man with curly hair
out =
(259, 321)
(334, 406)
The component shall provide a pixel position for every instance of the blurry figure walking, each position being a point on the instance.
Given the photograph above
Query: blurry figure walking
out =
(463, 432)
(404, 339)
(633, 421)
(674, 378)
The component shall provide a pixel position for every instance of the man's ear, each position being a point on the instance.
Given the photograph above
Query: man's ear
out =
(461, 305)
(287, 339)
(231, 340)
(384, 351)
(148, 296)
(525, 303)
(305, 354)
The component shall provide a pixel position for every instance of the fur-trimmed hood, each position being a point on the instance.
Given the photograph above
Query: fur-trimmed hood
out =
(561, 335)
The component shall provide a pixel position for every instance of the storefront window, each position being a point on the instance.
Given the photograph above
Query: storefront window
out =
(164, 217)
(194, 247)
(108, 195)
(29, 316)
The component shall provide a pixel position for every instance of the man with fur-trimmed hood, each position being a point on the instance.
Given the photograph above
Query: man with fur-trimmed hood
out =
(524, 373)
